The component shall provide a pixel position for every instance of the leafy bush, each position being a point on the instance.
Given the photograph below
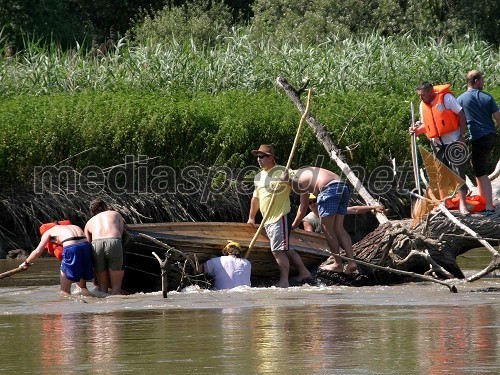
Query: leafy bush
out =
(201, 21)
(102, 128)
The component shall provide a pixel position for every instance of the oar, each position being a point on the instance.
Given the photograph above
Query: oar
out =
(12, 272)
(414, 154)
(288, 164)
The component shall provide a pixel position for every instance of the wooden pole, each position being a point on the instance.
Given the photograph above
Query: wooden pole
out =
(414, 153)
(288, 164)
(12, 272)
(163, 267)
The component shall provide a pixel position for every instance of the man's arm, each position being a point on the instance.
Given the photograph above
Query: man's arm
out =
(463, 122)
(496, 115)
(87, 230)
(39, 249)
(254, 208)
(355, 210)
(301, 212)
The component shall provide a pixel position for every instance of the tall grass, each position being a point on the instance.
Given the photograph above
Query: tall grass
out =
(383, 64)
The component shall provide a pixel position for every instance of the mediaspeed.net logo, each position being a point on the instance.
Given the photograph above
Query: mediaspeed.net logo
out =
(137, 176)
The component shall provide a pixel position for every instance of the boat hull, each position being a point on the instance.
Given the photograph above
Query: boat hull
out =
(202, 241)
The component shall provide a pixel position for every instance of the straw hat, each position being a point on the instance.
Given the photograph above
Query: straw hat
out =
(265, 149)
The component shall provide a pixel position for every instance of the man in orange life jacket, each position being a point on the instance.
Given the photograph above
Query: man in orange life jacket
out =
(76, 259)
(443, 121)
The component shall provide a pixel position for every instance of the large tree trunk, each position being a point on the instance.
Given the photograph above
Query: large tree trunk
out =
(391, 244)
(429, 247)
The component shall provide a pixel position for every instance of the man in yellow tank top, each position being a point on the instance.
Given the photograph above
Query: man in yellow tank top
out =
(278, 223)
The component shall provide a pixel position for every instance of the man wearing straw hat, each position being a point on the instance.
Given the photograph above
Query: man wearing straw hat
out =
(278, 224)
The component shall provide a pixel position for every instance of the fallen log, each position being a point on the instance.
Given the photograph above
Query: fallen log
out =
(333, 151)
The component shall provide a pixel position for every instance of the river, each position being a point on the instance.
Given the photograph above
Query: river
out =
(415, 328)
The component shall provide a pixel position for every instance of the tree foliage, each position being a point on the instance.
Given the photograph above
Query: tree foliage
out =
(201, 21)
(314, 21)
(67, 22)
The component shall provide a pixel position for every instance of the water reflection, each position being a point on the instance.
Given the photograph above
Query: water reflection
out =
(407, 329)
(455, 338)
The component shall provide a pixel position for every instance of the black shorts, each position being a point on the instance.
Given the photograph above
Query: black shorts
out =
(480, 153)
(455, 157)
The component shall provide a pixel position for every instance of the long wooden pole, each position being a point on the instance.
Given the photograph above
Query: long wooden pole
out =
(414, 153)
(288, 164)
(12, 272)
(452, 287)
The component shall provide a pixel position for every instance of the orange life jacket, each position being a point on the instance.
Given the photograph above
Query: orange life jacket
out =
(53, 248)
(474, 203)
(437, 119)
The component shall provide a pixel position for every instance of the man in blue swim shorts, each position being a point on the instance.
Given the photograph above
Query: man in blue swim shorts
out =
(332, 198)
(76, 264)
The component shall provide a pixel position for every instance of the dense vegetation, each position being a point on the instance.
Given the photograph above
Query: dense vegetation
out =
(92, 22)
(219, 102)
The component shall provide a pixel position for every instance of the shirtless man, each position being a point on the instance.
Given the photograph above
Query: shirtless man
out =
(76, 264)
(105, 230)
(332, 198)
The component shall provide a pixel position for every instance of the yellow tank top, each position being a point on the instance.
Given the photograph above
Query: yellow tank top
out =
(265, 182)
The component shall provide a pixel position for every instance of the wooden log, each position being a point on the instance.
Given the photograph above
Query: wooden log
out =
(450, 286)
(163, 267)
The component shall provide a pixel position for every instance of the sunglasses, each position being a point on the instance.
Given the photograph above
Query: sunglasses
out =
(262, 156)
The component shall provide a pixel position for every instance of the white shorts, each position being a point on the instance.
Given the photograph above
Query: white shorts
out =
(279, 233)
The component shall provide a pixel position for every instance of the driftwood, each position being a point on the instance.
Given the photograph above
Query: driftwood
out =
(163, 267)
(179, 268)
(450, 286)
(431, 247)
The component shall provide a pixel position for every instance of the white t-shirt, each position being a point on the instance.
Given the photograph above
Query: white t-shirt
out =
(450, 102)
(229, 271)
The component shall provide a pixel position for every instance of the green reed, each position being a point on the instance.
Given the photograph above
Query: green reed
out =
(383, 64)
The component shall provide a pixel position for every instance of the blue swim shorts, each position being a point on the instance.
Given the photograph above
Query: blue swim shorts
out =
(77, 261)
(333, 199)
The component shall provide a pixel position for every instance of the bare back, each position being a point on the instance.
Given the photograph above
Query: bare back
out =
(107, 224)
(63, 232)
(313, 179)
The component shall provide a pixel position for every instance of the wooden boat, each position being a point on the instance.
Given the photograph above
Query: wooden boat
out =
(205, 240)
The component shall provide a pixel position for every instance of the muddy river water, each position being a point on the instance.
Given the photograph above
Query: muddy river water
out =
(415, 328)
